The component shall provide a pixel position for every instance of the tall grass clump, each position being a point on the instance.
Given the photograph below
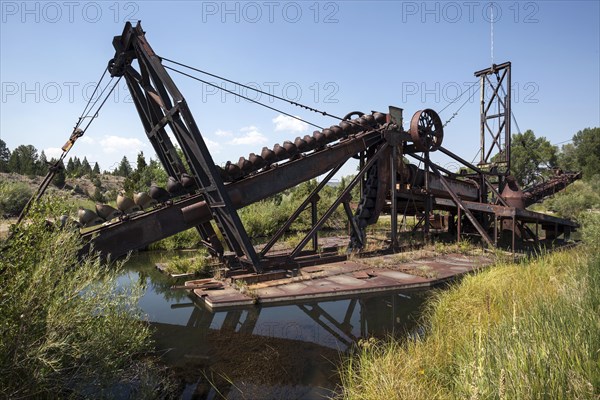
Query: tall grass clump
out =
(201, 264)
(66, 329)
(514, 331)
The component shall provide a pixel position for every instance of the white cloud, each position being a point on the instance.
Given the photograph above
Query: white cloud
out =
(213, 147)
(88, 140)
(53, 152)
(250, 135)
(248, 128)
(223, 133)
(113, 144)
(285, 123)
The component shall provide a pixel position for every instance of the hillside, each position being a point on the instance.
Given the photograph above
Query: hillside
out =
(82, 188)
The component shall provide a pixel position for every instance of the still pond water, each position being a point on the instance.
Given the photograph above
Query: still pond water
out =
(273, 352)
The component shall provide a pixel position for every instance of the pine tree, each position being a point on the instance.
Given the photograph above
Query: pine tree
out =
(23, 160)
(42, 164)
(4, 156)
(141, 162)
(86, 169)
(70, 167)
(76, 167)
(96, 170)
(124, 169)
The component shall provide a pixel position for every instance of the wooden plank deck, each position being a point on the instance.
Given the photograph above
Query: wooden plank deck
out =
(347, 278)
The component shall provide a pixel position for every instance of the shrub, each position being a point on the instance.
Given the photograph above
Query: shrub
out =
(13, 197)
(66, 330)
(577, 198)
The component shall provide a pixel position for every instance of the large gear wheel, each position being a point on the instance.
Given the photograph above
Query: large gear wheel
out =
(426, 130)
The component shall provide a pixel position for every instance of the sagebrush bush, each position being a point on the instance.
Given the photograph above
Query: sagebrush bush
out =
(13, 197)
(66, 328)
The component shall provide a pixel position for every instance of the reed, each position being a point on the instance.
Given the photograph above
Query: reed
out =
(513, 331)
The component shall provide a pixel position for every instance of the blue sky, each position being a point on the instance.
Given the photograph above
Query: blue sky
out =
(337, 56)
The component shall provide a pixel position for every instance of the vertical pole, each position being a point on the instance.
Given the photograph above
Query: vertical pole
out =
(361, 165)
(482, 118)
(507, 119)
(427, 196)
(459, 223)
(495, 230)
(513, 234)
(313, 214)
(394, 233)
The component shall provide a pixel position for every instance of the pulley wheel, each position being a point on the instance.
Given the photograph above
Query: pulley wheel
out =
(426, 130)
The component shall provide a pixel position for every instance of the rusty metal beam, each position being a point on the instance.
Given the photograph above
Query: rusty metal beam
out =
(141, 230)
(459, 204)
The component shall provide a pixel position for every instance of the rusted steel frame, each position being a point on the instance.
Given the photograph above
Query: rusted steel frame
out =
(150, 109)
(496, 88)
(482, 121)
(460, 204)
(493, 189)
(538, 192)
(212, 187)
(463, 188)
(509, 212)
(290, 174)
(496, 230)
(190, 139)
(337, 202)
(160, 141)
(528, 230)
(299, 210)
(514, 219)
(503, 79)
(139, 231)
(458, 223)
(418, 224)
(428, 199)
(460, 160)
(492, 69)
(496, 139)
(132, 78)
(210, 239)
(507, 117)
(422, 159)
(313, 220)
(353, 225)
(394, 193)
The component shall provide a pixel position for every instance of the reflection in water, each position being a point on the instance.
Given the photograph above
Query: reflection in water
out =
(281, 352)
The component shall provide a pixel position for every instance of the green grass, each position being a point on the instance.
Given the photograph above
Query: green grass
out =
(514, 331)
(189, 239)
(200, 264)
